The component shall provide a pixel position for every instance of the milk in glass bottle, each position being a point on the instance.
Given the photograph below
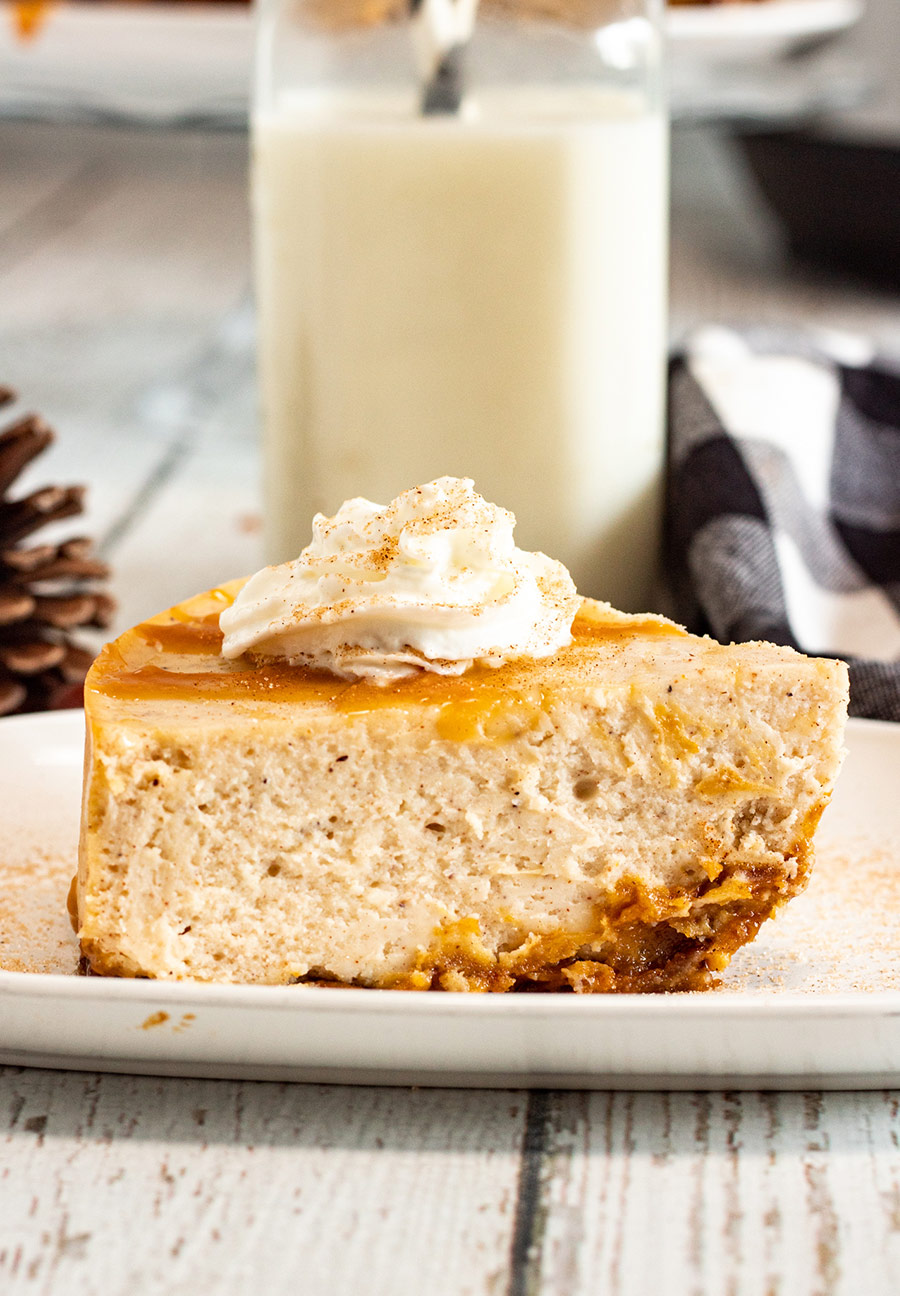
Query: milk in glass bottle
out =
(460, 240)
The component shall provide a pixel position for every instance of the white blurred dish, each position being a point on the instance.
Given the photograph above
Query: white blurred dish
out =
(754, 32)
(189, 64)
(166, 64)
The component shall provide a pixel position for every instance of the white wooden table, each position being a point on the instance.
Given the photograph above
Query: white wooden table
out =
(124, 318)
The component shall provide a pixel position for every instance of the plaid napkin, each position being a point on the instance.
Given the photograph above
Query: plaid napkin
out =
(783, 500)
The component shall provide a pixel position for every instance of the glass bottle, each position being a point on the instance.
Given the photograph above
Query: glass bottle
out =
(460, 220)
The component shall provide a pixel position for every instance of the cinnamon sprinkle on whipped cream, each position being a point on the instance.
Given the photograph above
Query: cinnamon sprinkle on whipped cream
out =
(433, 581)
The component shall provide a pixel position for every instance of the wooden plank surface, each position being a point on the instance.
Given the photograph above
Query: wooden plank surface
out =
(118, 1184)
(123, 289)
(137, 1185)
(124, 283)
(751, 1194)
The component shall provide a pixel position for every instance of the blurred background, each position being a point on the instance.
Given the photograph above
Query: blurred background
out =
(125, 283)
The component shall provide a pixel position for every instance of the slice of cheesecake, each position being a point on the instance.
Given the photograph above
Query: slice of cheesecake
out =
(622, 815)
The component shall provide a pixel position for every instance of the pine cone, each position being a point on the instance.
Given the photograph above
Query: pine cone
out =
(46, 591)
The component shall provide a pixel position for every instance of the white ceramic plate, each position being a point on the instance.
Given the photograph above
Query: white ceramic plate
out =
(815, 1003)
(756, 31)
(190, 63)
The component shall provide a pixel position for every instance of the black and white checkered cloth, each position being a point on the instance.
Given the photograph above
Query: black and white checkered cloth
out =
(783, 501)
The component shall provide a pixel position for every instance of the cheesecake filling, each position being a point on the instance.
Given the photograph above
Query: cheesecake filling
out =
(432, 581)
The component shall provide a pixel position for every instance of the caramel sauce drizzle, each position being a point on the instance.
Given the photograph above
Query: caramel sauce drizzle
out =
(178, 656)
(28, 17)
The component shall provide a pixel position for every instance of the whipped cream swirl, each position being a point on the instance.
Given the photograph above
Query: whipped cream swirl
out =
(431, 582)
